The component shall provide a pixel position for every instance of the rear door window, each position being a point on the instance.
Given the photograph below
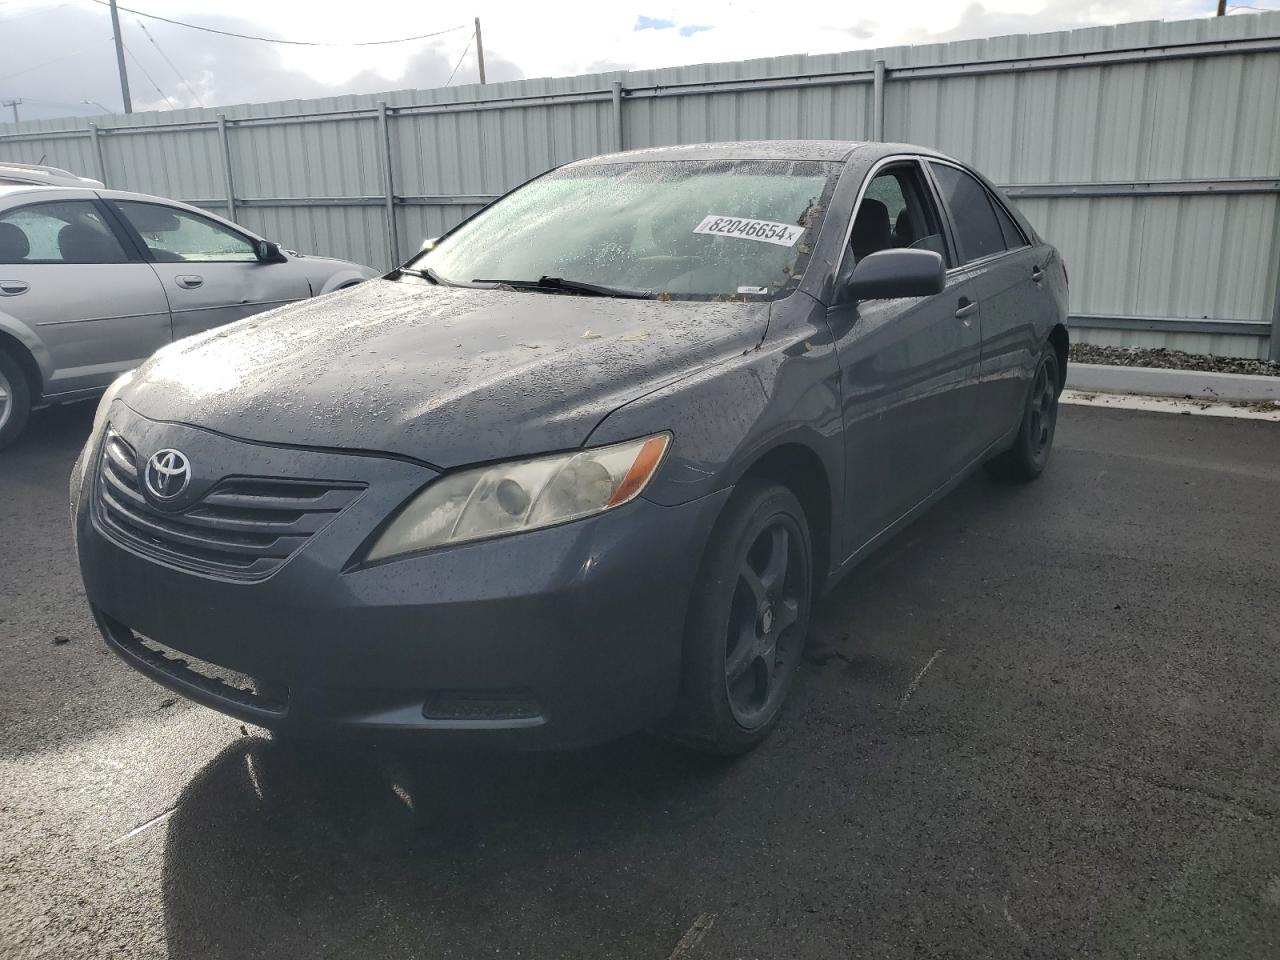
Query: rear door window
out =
(1013, 238)
(61, 231)
(977, 229)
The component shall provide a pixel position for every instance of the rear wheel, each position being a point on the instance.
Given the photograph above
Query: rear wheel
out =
(747, 622)
(15, 399)
(1029, 455)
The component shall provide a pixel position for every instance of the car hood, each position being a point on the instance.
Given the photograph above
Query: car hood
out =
(444, 375)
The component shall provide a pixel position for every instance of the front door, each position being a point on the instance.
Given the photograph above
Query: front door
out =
(210, 273)
(66, 276)
(909, 367)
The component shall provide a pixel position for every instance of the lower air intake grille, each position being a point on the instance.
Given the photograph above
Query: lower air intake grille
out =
(243, 527)
(213, 680)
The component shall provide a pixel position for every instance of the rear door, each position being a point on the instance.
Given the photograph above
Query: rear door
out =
(909, 367)
(82, 289)
(1008, 282)
(210, 272)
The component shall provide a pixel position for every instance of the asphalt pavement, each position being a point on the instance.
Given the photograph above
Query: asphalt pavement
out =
(1042, 722)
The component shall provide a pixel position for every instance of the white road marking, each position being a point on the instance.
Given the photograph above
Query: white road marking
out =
(1200, 408)
(915, 684)
(693, 936)
(144, 826)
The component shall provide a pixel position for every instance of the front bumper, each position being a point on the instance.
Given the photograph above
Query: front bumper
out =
(555, 637)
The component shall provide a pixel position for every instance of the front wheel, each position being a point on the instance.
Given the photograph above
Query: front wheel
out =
(747, 622)
(1029, 455)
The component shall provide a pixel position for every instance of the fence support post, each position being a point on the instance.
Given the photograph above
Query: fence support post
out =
(1273, 346)
(877, 101)
(393, 239)
(617, 115)
(99, 165)
(228, 181)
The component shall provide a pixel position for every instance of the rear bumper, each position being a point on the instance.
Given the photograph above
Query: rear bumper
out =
(556, 637)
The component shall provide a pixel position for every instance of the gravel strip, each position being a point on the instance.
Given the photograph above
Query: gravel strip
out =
(1169, 360)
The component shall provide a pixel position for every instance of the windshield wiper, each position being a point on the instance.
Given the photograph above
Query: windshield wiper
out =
(426, 273)
(559, 284)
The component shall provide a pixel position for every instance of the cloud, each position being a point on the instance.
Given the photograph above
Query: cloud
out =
(650, 23)
(977, 20)
(215, 71)
(584, 36)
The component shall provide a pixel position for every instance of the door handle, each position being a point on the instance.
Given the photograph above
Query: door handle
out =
(12, 288)
(190, 281)
(1037, 274)
(967, 308)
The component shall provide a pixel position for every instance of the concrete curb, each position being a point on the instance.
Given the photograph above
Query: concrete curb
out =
(1156, 382)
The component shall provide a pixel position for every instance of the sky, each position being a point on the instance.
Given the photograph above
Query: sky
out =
(55, 56)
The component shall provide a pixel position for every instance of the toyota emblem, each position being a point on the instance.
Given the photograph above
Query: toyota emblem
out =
(167, 475)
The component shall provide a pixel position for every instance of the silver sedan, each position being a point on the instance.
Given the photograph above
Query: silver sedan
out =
(93, 281)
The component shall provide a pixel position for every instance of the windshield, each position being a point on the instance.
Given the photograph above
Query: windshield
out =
(684, 229)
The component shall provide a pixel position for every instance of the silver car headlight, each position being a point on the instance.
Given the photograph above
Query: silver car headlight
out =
(521, 495)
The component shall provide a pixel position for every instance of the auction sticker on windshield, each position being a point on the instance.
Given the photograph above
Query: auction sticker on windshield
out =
(766, 231)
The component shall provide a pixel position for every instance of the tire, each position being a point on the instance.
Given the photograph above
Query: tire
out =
(1029, 455)
(15, 399)
(747, 622)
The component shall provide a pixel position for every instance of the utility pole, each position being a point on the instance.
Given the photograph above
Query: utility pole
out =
(479, 48)
(1222, 8)
(124, 74)
(14, 104)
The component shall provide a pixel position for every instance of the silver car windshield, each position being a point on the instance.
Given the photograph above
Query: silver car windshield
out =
(684, 229)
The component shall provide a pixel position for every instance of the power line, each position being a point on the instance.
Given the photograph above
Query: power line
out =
(460, 59)
(65, 56)
(293, 43)
(143, 27)
(138, 64)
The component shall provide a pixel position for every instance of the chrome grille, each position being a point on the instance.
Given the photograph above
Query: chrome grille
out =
(243, 527)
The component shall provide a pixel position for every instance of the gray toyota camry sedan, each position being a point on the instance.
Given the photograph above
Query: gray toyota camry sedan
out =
(580, 467)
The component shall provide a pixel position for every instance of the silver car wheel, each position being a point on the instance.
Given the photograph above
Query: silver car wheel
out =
(6, 400)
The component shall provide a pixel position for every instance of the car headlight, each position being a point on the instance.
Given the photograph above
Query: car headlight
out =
(521, 495)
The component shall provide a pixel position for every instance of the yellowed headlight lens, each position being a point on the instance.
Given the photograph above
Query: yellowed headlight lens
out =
(520, 495)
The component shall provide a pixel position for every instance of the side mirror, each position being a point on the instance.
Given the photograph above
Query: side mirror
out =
(268, 251)
(888, 274)
(428, 243)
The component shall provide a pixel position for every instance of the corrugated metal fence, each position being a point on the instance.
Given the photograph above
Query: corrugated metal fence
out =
(1149, 152)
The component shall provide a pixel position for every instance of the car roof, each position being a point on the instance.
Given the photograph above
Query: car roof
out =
(12, 170)
(8, 190)
(837, 150)
(735, 150)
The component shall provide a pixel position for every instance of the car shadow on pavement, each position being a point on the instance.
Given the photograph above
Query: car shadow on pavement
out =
(284, 849)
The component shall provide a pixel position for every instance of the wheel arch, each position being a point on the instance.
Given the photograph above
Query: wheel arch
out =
(799, 467)
(1061, 341)
(22, 354)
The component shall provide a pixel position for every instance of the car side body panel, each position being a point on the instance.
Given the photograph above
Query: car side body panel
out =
(97, 320)
(892, 397)
(82, 324)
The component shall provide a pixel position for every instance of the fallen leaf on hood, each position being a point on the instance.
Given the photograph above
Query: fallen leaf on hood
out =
(589, 335)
